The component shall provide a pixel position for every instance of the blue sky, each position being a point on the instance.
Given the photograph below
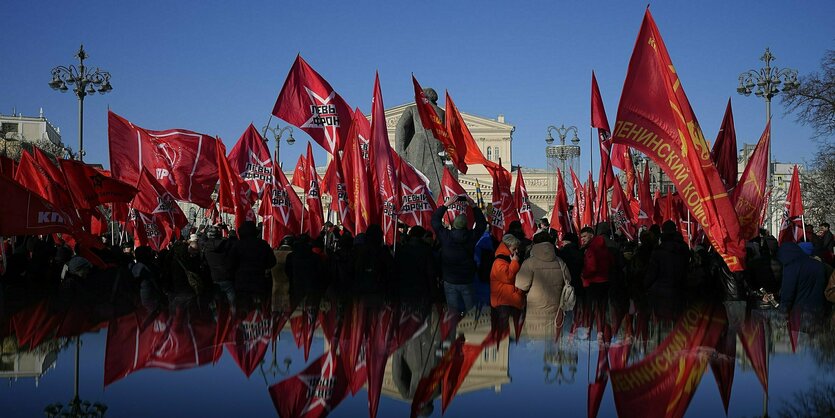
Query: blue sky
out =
(216, 66)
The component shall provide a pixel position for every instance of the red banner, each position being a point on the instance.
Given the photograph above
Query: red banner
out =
(233, 194)
(39, 179)
(560, 216)
(724, 152)
(430, 120)
(752, 336)
(417, 200)
(523, 205)
(384, 173)
(315, 218)
(503, 211)
(8, 166)
(153, 199)
(620, 213)
(579, 201)
(451, 189)
(749, 194)
(182, 161)
(307, 101)
(645, 217)
(791, 228)
(655, 118)
(251, 159)
(90, 188)
(462, 138)
(314, 392)
(333, 183)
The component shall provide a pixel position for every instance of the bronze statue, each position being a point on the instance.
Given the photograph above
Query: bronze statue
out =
(419, 147)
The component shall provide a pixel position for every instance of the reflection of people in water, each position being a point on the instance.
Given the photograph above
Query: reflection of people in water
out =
(415, 359)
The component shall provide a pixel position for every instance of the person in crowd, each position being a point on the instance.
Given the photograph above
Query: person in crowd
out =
(457, 255)
(485, 253)
(667, 271)
(414, 266)
(545, 225)
(505, 298)
(804, 279)
(826, 244)
(305, 269)
(569, 252)
(595, 276)
(251, 258)
(216, 256)
(145, 270)
(515, 229)
(281, 278)
(638, 266)
(542, 276)
(767, 243)
(373, 263)
(342, 264)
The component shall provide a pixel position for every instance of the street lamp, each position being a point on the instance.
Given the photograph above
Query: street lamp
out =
(76, 408)
(765, 83)
(277, 132)
(86, 81)
(561, 152)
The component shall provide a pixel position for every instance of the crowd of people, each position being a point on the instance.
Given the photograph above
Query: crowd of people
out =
(461, 264)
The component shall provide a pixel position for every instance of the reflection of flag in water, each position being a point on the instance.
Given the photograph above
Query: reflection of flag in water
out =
(314, 392)
(478, 195)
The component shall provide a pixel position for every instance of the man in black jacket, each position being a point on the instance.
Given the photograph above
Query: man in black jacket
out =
(250, 258)
(667, 270)
(216, 255)
(457, 248)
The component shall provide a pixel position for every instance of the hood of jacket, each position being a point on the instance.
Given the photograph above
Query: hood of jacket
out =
(790, 253)
(544, 251)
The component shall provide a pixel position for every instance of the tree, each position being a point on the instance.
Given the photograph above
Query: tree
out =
(814, 100)
(819, 185)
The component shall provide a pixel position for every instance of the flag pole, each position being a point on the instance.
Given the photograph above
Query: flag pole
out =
(803, 225)
(3, 252)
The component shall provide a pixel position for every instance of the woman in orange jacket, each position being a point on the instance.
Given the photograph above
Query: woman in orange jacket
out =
(504, 295)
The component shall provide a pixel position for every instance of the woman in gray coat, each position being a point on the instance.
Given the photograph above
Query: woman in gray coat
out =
(543, 276)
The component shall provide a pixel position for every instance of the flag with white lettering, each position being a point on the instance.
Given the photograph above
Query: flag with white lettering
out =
(315, 217)
(333, 183)
(182, 161)
(314, 392)
(523, 205)
(451, 189)
(251, 159)
(417, 204)
(233, 194)
(307, 101)
(154, 199)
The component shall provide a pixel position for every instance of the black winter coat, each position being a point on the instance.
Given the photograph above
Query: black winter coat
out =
(668, 266)
(457, 247)
(216, 254)
(804, 280)
(250, 258)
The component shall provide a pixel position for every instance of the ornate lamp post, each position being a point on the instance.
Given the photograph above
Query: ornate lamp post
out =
(765, 83)
(86, 81)
(76, 408)
(277, 132)
(561, 152)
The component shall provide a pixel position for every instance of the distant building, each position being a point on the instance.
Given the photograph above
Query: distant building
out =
(17, 130)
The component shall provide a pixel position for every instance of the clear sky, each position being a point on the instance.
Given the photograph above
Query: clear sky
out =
(216, 66)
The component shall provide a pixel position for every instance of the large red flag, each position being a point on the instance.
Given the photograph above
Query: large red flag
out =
(655, 118)
(791, 228)
(749, 194)
(752, 336)
(416, 197)
(37, 178)
(251, 336)
(430, 384)
(599, 121)
(314, 392)
(182, 161)
(504, 211)
(281, 212)
(233, 194)
(314, 218)
(355, 168)
(333, 183)
(430, 120)
(154, 199)
(645, 213)
(90, 188)
(559, 216)
(26, 213)
(384, 173)
(724, 151)
(620, 212)
(251, 159)
(523, 205)
(53, 171)
(451, 189)
(462, 138)
(307, 101)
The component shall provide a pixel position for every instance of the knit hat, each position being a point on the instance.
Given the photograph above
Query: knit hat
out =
(807, 247)
(460, 221)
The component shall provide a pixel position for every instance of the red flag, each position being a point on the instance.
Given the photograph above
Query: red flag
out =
(645, 213)
(38, 179)
(355, 168)
(334, 184)
(299, 173)
(523, 205)
(281, 211)
(462, 363)
(430, 121)
(250, 158)
(314, 392)
(621, 213)
(154, 199)
(663, 383)
(749, 194)
(579, 200)
(315, 217)
(416, 197)
(384, 173)
(52, 171)
(722, 365)
(377, 354)
(182, 161)
(559, 216)
(303, 327)
(724, 152)
(90, 188)
(462, 138)
(791, 228)
(151, 230)
(601, 379)
(233, 194)
(588, 206)
(307, 101)
(429, 384)
(251, 338)
(451, 189)
(600, 201)
(655, 118)
(752, 336)
(630, 174)
(503, 211)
